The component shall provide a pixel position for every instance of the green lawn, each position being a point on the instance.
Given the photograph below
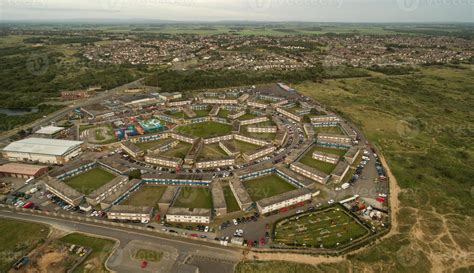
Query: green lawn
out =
(288, 267)
(18, 239)
(325, 167)
(223, 113)
(267, 186)
(247, 116)
(194, 197)
(201, 113)
(90, 180)
(149, 144)
(205, 129)
(179, 150)
(262, 136)
(244, 146)
(211, 151)
(339, 152)
(329, 130)
(147, 195)
(101, 249)
(326, 228)
(178, 114)
(230, 200)
(148, 255)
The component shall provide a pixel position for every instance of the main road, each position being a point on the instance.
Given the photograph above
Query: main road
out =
(207, 257)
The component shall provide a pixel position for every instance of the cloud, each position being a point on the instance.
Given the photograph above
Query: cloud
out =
(249, 10)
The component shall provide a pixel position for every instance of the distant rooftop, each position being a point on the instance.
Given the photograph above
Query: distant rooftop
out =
(42, 146)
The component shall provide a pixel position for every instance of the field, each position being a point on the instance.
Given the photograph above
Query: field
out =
(179, 150)
(319, 229)
(288, 267)
(230, 200)
(211, 151)
(247, 116)
(177, 114)
(90, 180)
(244, 146)
(201, 113)
(308, 160)
(422, 124)
(101, 249)
(223, 113)
(18, 239)
(329, 130)
(267, 186)
(339, 152)
(194, 197)
(205, 129)
(149, 144)
(147, 195)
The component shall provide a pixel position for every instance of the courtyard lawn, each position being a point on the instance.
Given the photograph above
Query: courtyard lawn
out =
(267, 186)
(19, 238)
(179, 150)
(147, 195)
(339, 152)
(178, 114)
(329, 130)
(205, 129)
(262, 136)
(101, 249)
(316, 229)
(223, 113)
(325, 167)
(247, 116)
(194, 197)
(201, 113)
(211, 151)
(244, 146)
(230, 200)
(149, 144)
(90, 180)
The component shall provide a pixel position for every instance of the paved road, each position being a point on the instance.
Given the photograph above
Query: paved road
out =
(177, 251)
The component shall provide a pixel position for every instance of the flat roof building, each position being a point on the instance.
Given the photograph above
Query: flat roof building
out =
(283, 200)
(130, 213)
(52, 151)
(310, 172)
(188, 215)
(218, 198)
(22, 170)
(240, 193)
(65, 192)
(49, 131)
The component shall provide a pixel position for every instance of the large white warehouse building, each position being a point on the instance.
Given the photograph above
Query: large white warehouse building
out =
(51, 151)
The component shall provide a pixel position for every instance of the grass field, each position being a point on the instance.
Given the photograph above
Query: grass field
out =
(149, 144)
(18, 239)
(247, 116)
(319, 229)
(230, 200)
(101, 249)
(308, 160)
(90, 180)
(223, 113)
(194, 197)
(205, 129)
(267, 186)
(422, 124)
(177, 114)
(244, 146)
(339, 152)
(179, 150)
(147, 195)
(288, 267)
(201, 113)
(329, 130)
(211, 151)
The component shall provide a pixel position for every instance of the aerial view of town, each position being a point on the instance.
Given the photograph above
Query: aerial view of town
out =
(236, 136)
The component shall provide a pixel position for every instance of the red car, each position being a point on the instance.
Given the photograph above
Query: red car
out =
(194, 235)
(143, 264)
(262, 241)
(380, 199)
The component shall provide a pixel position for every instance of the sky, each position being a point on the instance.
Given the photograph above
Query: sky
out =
(240, 10)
